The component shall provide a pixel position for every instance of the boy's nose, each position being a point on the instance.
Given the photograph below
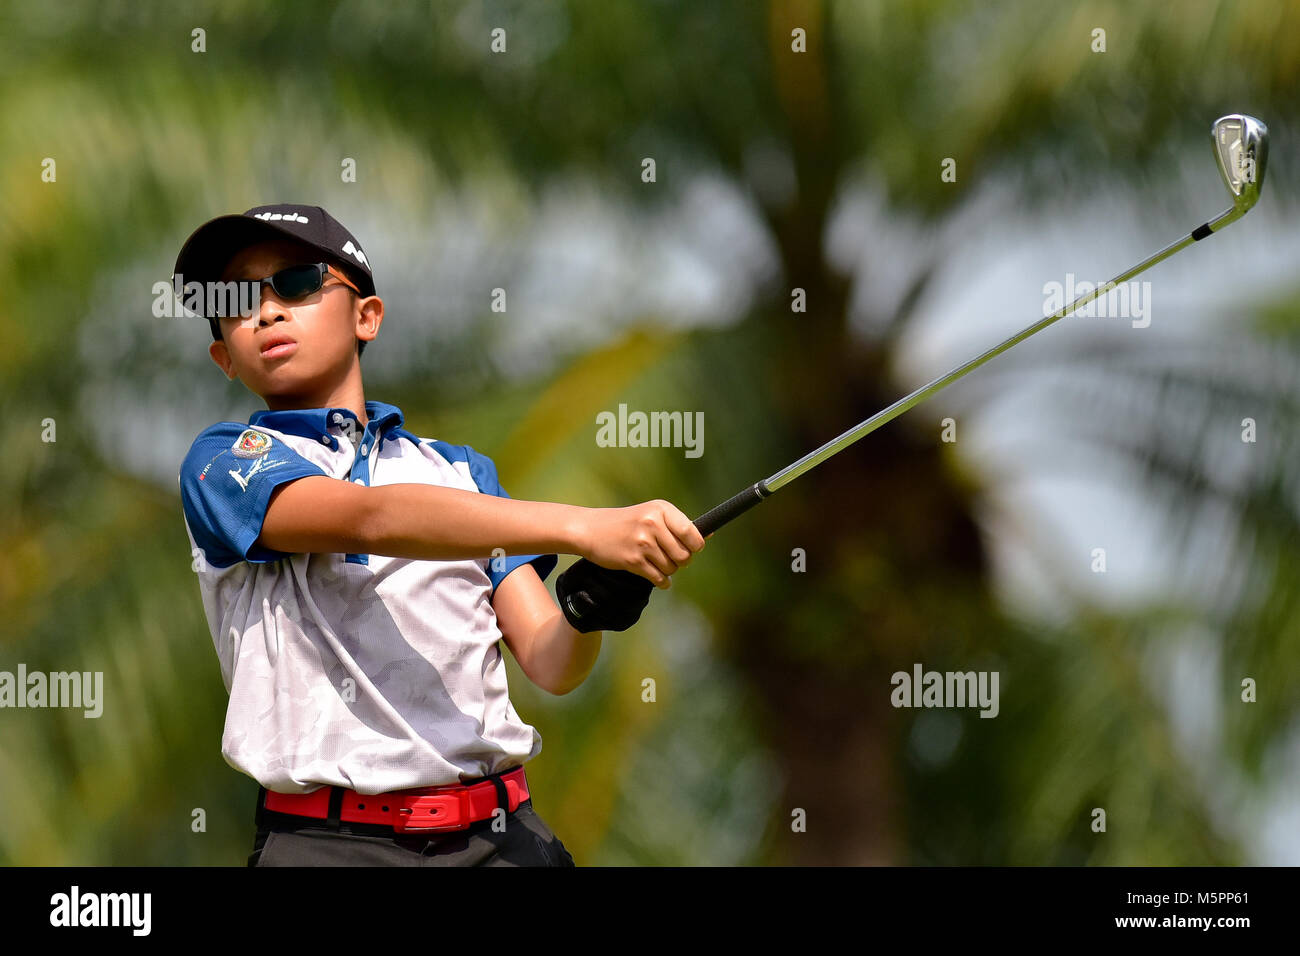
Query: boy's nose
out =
(271, 311)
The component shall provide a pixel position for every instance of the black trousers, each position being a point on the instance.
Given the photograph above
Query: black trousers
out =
(287, 840)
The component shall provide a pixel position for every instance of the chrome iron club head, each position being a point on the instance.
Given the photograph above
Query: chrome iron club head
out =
(1241, 150)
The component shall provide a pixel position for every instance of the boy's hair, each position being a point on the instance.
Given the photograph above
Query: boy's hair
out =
(353, 276)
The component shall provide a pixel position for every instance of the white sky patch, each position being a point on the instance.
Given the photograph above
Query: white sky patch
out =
(588, 269)
(1276, 841)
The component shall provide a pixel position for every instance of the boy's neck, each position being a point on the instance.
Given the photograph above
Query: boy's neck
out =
(348, 394)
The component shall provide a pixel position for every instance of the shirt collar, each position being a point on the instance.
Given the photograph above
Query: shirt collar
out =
(315, 422)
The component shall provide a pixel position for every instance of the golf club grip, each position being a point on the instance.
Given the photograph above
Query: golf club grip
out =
(733, 507)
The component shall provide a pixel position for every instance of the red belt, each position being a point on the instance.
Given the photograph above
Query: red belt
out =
(452, 807)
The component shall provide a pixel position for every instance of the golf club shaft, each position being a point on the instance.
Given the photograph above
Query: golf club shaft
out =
(738, 504)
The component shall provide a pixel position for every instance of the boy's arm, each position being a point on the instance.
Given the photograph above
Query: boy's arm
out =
(317, 513)
(551, 654)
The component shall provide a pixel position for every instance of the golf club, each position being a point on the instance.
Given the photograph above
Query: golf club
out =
(1241, 151)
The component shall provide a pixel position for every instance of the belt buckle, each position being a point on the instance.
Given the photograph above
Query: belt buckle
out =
(457, 799)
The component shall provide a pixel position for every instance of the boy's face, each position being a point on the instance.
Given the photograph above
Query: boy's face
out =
(323, 326)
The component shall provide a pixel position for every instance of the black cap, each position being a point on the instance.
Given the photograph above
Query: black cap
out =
(211, 247)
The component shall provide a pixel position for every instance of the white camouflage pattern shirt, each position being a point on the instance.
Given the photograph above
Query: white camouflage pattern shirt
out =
(359, 670)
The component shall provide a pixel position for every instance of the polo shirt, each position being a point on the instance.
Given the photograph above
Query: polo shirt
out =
(364, 671)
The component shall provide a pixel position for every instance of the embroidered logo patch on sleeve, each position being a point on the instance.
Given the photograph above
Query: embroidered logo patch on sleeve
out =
(251, 444)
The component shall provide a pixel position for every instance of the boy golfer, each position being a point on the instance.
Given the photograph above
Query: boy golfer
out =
(357, 578)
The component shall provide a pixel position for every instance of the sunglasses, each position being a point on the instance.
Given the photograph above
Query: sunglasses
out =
(291, 283)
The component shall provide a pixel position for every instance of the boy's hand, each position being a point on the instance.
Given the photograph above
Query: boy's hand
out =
(628, 549)
(600, 599)
(653, 539)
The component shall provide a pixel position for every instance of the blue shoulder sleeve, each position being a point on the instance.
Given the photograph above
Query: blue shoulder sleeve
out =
(225, 494)
(484, 472)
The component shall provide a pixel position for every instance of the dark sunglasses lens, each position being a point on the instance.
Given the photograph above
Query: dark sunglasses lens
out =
(297, 281)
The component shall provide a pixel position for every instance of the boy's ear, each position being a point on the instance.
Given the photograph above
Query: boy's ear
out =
(221, 355)
(370, 316)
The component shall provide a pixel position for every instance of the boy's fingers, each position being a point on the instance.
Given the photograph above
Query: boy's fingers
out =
(676, 549)
(683, 529)
(674, 552)
(660, 557)
(654, 564)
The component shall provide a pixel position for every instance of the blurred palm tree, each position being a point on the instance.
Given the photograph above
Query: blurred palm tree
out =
(773, 685)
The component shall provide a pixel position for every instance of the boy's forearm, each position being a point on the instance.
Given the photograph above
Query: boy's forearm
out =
(561, 657)
(435, 523)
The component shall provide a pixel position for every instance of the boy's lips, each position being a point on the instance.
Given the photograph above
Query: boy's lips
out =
(278, 346)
